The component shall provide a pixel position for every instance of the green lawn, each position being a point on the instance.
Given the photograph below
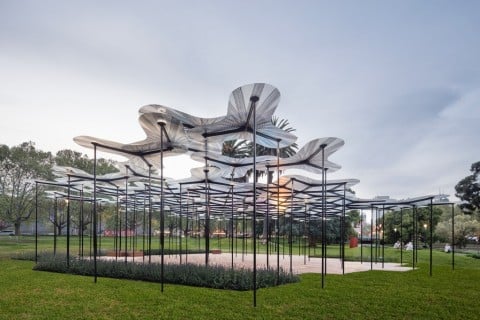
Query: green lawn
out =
(27, 294)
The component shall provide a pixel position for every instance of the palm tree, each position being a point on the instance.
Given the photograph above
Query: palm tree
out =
(243, 148)
(236, 149)
(283, 152)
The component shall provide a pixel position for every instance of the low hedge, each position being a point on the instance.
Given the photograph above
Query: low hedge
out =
(157, 252)
(217, 277)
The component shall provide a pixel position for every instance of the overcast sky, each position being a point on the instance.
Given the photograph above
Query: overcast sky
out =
(399, 81)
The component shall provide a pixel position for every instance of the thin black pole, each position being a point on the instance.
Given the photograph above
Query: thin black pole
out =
(376, 235)
(133, 238)
(305, 237)
(401, 236)
(207, 204)
(371, 238)
(414, 211)
(343, 226)
(231, 223)
(126, 214)
(117, 225)
(68, 223)
(253, 100)
(95, 212)
(55, 222)
(278, 212)
(36, 221)
(324, 217)
(431, 235)
(453, 237)
(162, 213)
(82, 221)
(149, 213)
(383, 236)
(186, 226)
(266, 224)
(181, 230)
(361, 236)
(290, 233)
(144, 223)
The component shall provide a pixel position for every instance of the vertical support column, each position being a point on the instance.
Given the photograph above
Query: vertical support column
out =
(207, 205)
(361, 236)
(68, 223)
(181, 229)
(371, 236)
(36, 221)
(431, 235)
(162, 213)
(149, 213)
(290, 233)
(401, 236)
(94, 212)
(117, 224)
(278, 212)
(453, 237)
(82, 222)
(343, 226)
(231, 224)
(383, 236)
(55, 221)
(324, 217)
(126, 214)
(253, 101)
(414, 222)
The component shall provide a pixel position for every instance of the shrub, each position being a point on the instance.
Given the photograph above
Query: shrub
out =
(157, 252)
(217, 277)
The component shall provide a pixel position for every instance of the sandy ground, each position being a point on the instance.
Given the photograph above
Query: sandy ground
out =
(299, 263)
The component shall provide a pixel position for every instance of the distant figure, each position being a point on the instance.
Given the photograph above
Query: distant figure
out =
(448, 248)
(397, 245)
(409, 246)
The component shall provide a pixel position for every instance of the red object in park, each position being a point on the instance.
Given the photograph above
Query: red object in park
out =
(353, 242)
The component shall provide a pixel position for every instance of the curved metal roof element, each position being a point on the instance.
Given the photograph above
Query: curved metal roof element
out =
(231, 167)
(238, 123)
(311, 155)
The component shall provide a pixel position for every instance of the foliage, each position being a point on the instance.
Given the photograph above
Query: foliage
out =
(468, 190)
(217, 277)
(70, 158)
(19, 167)
(464, 225)
(398, 225)
(283, 152)
(171, 251)
(236, 148)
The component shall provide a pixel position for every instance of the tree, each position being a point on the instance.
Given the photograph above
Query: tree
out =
(242, 148)
(399, 226)
(468, 190)
(464, 225)
(236, 149)
(19, 167)
(70, 158)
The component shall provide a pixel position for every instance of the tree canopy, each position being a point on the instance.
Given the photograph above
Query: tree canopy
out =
(19, 167)
(468, 190)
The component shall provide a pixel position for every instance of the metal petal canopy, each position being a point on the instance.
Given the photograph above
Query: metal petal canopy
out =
(231, 167)
(238, 123)
(313, 156)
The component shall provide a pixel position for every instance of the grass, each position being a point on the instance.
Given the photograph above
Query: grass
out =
(28, 294)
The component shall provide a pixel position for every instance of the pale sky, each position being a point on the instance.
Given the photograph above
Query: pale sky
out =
(399, 81)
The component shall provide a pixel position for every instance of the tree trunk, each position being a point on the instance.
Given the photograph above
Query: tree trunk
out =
(17, 228)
